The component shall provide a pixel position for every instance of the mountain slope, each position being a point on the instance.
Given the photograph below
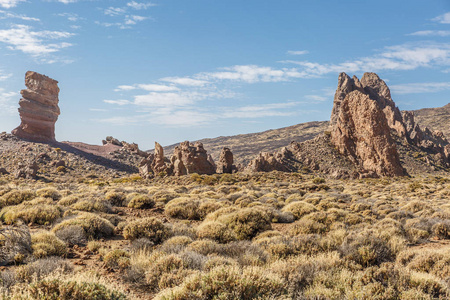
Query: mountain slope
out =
(436, 118)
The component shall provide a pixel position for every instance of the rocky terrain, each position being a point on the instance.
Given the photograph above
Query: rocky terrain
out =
(357, 210)
(437, 118)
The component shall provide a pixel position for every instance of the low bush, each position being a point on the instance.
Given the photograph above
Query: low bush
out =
(141, 201)
(15, 197)
(45, 243)
(93, 225)
(151, 228)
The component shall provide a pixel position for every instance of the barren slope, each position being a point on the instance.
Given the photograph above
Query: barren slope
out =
(436, 118)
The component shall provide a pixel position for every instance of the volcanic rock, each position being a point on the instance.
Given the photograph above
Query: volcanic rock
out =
(111, 140)
(145, 166)
(377, 90)
(27, 170)
(225, 164)
(188, 158)
(267, 162)
(362, 132)
(38, 109)
(158, 164)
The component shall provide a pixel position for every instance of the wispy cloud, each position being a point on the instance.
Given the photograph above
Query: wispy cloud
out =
(10, 3)
(147, 87)
(400, 57)
(67, 1)
(72, 17)
(117, 102)
(443, 19)
(186, 81)
(114, 11)
(418, 88)
(298, 52)
(4, 76)
(35, 43)
(140, 5)
(9, 15)
(431, 33)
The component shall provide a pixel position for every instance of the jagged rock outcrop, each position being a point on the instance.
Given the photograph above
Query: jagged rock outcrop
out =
(362, 132)
(188, 158)
(225, 164)
(377, 90)
(38, 109)
(158, 164)
(145, 166)
(267, 162)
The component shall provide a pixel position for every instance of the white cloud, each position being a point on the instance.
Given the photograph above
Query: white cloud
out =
(114, 11)
(301, 52)
(67, 1)
(253, 74)
(35, 43)
(431, 33)
(261, 111)
(146, 87)
(417, 88)
(125, 88)
(4, 76)
(132, 19)
(316, 98)
(186, 81)
(117, 102)
(10, 15)
(155, 99)
(400, 57)
(10, 3)
(140, 5)
(443, 19)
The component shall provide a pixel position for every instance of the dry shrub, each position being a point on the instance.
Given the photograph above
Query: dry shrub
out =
(15, 244)
(69, 200)
(116, 198)
(228, 282)
(16, 197)
(117, 259)
(215, 231)
(40, 268)
(58, 289)
(92, 205)
(191, 209)
(306, 226)
(31, 212)
(151, 228)
(442, 229)
(93, 225)
(141, 201)
(49, 193)
(72, 235)
(45, 243)
(246, 223)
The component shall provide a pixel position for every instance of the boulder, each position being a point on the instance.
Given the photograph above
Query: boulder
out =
(27, 170)
(158, 164)
(267, 162)
(362, 133)
(38, 109)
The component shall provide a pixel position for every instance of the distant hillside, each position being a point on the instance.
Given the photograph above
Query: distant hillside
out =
(246, 146)
(435, 118)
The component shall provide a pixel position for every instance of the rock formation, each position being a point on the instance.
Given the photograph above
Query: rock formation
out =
(225, 164)
(27, 170)
(145, 166)
(377, 90)
(111, 140)
(38, 108)
(362, 132)
(188, 159)
(158, 163)
(267, 162)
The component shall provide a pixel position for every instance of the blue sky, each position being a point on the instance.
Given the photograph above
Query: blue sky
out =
(174, 70)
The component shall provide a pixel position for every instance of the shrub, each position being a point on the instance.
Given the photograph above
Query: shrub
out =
(141, 201)
(92, 205)
(183, 208)
(61, 169)
(48, 193)
(68, 200)
(41, 268)
(45, 244)
(39, 214)
(442, 229)
(246, 223)
(215, 231)
(15, 197)
(60, 290)
(93, 225)
(228, 282)
(117, 259)
(116, 198)
(72, 235)
(151, 228)
(299, 209)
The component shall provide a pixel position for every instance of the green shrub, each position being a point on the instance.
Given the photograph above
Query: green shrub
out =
(38, 213)
(151, 228)
(92, 205)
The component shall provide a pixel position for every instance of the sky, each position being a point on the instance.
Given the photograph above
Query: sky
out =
(175, 70)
